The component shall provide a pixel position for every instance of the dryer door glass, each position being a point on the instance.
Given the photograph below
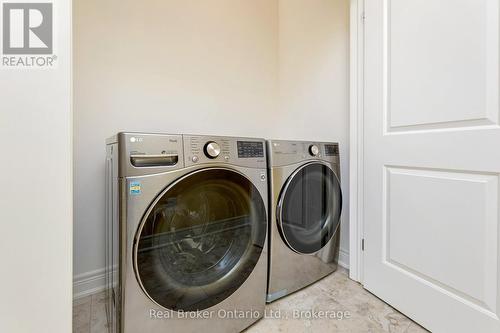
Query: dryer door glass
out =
(309, 208)
(200, 240)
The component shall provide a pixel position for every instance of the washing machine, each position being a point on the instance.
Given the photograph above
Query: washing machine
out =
(305, 208)
(186, 233)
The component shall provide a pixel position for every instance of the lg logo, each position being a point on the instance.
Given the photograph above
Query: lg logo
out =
(27, 28)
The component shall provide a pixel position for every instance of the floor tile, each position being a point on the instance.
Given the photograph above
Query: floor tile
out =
(82, 315)
(415, 328)
(354, 309)
(82, 300)
(98, 322)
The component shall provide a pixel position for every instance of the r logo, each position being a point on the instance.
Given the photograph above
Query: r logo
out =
(27, 28)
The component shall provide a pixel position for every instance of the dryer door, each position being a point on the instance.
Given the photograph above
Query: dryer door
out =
(200, 240)
(309, 208)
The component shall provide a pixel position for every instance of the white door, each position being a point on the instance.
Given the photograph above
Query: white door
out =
(432, 161)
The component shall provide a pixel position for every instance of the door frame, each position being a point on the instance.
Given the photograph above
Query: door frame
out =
(356, 155)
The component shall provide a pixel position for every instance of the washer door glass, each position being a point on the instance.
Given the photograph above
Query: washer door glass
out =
(200, 240)
(309, 208)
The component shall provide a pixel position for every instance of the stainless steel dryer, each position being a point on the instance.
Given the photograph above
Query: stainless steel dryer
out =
(305, 207)
(187, 223)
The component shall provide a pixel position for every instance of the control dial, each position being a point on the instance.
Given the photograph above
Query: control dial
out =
(212, 149)
(313, 150)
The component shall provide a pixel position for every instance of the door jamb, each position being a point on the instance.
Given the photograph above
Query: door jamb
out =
(356, 222)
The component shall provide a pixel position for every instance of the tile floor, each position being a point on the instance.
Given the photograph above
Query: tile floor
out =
(364, 312)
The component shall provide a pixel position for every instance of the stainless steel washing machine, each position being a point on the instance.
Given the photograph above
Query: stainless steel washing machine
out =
(305, 207)
(187, 225)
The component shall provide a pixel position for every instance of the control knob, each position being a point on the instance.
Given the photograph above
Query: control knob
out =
(212, 149)
(313, 150)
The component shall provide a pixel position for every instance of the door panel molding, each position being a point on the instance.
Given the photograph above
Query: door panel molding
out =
(428, 56)
(412, 247)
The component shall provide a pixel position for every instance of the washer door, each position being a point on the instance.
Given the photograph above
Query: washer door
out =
(309, 208)
(200, 240)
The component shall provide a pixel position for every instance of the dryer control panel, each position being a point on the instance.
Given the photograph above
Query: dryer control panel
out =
(283, 152)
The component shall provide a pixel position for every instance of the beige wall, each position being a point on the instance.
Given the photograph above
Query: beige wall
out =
(192, 66)
(36, 192)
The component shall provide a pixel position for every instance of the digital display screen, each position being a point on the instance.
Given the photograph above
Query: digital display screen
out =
(250, 149)
(331, 150)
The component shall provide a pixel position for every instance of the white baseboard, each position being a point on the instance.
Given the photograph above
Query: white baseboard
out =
(344, 258)
(89, 283)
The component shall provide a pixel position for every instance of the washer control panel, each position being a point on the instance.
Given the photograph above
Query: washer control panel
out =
(200, 149)
(250, 149)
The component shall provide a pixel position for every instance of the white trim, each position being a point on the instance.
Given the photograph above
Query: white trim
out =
(344, 259)
(356, 140)
(89, 283)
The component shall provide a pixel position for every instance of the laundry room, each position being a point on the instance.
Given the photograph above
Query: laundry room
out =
(269, 69)
(250, 166)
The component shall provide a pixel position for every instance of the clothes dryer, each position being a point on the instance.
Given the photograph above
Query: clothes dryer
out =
(305, 208)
